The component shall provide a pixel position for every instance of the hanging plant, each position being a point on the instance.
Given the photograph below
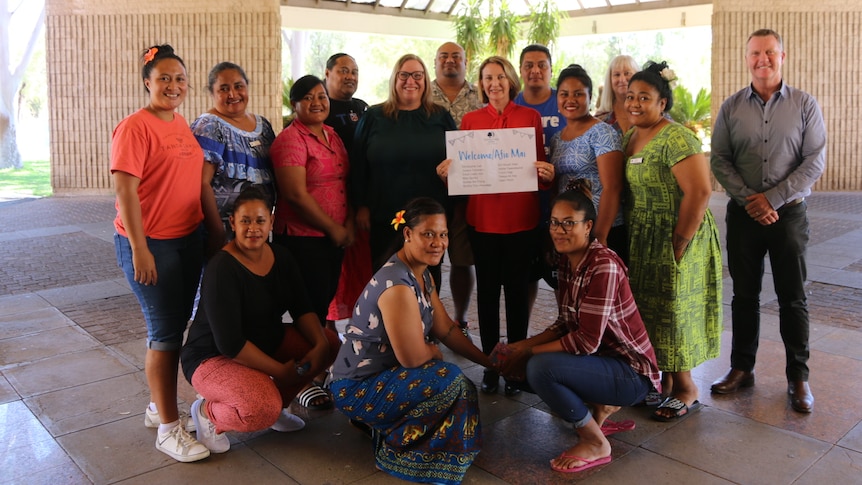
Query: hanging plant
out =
(470, 30)
(503, 30)
(545, 22)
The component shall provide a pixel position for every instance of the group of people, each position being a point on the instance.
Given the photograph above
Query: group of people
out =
(355, 199)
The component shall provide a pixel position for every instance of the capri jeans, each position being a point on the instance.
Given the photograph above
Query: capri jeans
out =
(567, 382)
(166, 305)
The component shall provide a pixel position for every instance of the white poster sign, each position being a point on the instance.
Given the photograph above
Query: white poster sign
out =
(492, 161)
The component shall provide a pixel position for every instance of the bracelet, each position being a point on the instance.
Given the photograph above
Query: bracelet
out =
(443, 339)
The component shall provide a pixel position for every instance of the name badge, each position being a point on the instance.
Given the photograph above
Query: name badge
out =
(636, 160)
(254, 143)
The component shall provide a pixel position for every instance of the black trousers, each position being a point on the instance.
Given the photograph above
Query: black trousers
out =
(785, 242)
(319, 262)
(503, 261)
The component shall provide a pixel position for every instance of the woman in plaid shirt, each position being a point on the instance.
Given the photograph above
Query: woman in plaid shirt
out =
(597, 356)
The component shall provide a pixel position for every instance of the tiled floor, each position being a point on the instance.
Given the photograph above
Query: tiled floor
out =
(72, 389)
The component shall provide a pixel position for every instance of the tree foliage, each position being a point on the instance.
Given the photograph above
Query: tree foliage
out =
(545, 21)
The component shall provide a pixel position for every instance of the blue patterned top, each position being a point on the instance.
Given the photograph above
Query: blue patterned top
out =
(241, 158)
(577, 158)
(366, 350)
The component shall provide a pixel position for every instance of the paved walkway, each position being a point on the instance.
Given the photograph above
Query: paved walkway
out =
(72, 389)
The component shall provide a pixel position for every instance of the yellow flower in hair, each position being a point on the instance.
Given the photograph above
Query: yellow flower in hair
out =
(399, 219)
(150, 55)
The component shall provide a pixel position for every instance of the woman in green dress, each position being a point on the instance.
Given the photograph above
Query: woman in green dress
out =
(675, 260)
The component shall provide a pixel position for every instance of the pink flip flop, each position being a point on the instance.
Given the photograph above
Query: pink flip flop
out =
(587, 463)
(612, 427)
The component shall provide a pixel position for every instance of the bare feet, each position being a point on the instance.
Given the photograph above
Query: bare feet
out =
(592, 445)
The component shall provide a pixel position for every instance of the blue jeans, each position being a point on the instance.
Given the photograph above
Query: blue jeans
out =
(566, 382)
(785, 241)
(166, 305)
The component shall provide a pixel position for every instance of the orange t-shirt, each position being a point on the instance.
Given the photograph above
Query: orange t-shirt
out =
(167, 159)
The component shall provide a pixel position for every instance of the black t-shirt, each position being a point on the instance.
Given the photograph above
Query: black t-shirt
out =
(237, 305)
(343, 116)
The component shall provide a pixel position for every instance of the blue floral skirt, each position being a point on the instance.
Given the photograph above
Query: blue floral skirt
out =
(426, 420)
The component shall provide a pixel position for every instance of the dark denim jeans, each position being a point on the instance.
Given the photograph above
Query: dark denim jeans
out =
(566, 382)
(785, 242)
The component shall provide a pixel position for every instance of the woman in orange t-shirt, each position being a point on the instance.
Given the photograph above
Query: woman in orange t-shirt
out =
(157, 167)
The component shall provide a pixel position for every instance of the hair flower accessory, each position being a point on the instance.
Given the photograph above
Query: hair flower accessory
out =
(150, 55)
(668, 75)
(399, 219)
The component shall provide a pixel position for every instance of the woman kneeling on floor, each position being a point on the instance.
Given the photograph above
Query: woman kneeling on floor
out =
(239, 356)
(597, 354)
(391, 377)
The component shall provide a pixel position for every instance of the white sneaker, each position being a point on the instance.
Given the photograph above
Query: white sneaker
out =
(179, 445)
(215, 442)
(288, 422)
(152, 420)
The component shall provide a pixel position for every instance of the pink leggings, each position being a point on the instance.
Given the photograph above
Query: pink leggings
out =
(239, 398)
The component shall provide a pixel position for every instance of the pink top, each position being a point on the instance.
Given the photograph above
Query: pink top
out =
(325, 175)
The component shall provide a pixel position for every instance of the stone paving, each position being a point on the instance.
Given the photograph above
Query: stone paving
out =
(72, 390)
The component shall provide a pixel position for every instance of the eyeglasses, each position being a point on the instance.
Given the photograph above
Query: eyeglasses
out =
(416, 75)
(567, 225)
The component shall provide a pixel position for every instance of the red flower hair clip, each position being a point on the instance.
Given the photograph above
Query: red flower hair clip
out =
(150, 55)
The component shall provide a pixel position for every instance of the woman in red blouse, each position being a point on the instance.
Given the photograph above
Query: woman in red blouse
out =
(502, 226)
(312, 217)
(597, 354)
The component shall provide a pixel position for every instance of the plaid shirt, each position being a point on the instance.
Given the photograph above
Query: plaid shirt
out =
(598, 314)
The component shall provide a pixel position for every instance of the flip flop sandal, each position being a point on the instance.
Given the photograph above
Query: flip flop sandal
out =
(306, 397)
(612, 427)
(587, 463)
(679, 408)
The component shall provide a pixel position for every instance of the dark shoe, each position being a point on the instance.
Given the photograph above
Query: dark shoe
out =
(733, 381)
(490, 382)
(801, 399)
(511, 390)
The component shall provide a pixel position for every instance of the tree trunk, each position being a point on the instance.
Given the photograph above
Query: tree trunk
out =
(10, 157)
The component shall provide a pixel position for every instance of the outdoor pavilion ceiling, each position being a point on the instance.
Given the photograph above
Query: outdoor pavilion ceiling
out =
(446, 9)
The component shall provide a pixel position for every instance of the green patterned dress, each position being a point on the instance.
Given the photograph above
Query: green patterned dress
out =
(680, 302)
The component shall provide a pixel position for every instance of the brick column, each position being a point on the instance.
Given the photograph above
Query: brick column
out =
(94, 80)
(823, 50)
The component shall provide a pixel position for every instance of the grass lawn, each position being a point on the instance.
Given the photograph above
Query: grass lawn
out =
(34, 180)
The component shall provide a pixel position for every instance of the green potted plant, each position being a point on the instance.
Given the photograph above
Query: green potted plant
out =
(470, 31)
(692, 111)
(503, 30)
(545, 21)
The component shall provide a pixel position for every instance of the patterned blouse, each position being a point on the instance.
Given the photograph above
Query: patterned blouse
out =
(325, 176)
(241, 158)
(367, 350)
(576, 158)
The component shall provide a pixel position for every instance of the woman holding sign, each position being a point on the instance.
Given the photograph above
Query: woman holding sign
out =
(502, 226)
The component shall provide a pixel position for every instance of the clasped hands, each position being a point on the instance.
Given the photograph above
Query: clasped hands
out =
(511, 360)
(759, 209)
(544, 170)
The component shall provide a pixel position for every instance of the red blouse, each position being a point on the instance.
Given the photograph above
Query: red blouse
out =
(513, 212)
